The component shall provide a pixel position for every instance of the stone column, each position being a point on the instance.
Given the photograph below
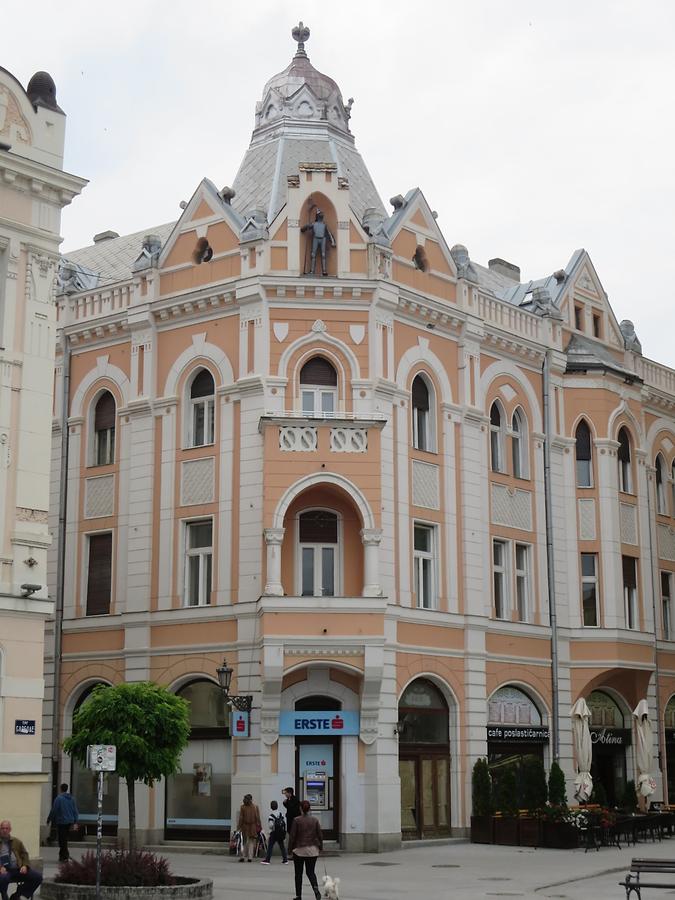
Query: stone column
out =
(371, 538)
(274, 538)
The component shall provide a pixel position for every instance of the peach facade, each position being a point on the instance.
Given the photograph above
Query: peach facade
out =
(33, 190)
(341, 483)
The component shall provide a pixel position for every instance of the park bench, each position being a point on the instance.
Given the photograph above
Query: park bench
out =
(663, 871)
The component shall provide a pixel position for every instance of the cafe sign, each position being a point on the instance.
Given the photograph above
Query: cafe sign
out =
(611, 737)
(517, 734)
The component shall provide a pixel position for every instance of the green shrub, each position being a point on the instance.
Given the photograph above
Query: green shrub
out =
(507, 795)
(556, 786)
(481, 789)
(119, 868)
(533, 781)
(598, 795)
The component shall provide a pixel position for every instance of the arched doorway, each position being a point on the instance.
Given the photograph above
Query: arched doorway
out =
(317, 765)
(198, 797)
(610, 736)
(670, 747)
(84, 786)
(515, 734)
(424, 761)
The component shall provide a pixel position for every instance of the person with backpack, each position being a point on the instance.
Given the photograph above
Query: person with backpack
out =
(277, 834)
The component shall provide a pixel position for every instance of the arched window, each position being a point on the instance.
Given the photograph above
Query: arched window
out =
(202, 409)
(104, 430)
(583, 454)
(84, 787)
(318, 540)
(511, 706)
(661, 486)
(198, 796)
(422, 432)
(496, 437)
(519, 444)
(624, 455)
(422, 714)
(318, 387)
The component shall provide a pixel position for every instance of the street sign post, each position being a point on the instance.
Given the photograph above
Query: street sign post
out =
(102, 758)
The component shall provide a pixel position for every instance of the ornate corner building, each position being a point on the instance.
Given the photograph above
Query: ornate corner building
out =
(421, 505)
(33, 191)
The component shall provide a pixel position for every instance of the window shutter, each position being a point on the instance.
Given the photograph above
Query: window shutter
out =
(420, 394)
(203, 385)
(104, 417)
(99, 578)
(318, 371)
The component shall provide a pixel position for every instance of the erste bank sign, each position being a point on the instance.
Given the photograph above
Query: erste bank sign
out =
(312, 722)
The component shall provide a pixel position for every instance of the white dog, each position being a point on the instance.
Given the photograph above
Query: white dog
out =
(330, 887)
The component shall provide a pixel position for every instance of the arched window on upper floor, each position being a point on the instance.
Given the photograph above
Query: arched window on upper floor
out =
(625, 465)
(318, 387)
(319, 563)
(661, 506)
(519, 458)
(583, 455)
(422, 405)
(497, 437)
(201, 421)
(104, 430)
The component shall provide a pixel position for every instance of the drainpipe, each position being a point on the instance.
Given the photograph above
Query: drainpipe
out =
(550, 565)
(60, 567)
(655, 593)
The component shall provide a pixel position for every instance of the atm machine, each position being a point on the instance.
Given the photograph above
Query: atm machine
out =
(316, 786)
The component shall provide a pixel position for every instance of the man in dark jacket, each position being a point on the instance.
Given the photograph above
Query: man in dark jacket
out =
(15, 864)
(64, 815)
(292, 805)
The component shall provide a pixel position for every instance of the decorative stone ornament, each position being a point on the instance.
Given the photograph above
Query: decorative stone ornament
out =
(300, 34)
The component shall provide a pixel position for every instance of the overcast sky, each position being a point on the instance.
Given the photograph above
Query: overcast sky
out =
(532, 127)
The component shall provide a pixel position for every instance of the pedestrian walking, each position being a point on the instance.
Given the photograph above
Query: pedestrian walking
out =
(64, 815)
(276, 827)
(292, 806)
(250, 827)
(305, 842)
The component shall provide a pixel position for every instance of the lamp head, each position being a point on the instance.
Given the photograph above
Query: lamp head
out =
(225, 676)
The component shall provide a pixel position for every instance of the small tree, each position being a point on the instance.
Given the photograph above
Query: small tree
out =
(533, 779)
(556, 786)
(149, 726)
(481, 789)
(508, 791)
(599, 794)
(629, 800)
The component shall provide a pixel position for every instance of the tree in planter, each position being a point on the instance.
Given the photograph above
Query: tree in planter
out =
(533, 779)
(598, 795)
(147, 723)
(556, 786)
(508, 792)
(481, 789)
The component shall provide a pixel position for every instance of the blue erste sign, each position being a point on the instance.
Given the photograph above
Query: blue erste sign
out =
(312, 722)
(24, 726)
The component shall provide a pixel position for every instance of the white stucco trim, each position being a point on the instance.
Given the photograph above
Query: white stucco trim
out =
(421, 355)
(200, 348)
(317, 341)
(320, 479)
(104, 369)
(505, 367)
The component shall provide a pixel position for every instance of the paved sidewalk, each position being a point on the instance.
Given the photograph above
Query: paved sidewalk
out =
(457, 870)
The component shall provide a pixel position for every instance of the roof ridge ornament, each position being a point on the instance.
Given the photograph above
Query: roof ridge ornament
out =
(300, 34)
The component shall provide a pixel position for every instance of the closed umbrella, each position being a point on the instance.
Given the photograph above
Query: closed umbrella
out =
(583, 749)
(644, 750)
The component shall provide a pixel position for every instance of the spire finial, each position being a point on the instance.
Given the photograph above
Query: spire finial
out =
(300, 34)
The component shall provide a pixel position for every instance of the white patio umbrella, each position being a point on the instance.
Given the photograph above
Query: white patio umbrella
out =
(583, 749)
(644, 750)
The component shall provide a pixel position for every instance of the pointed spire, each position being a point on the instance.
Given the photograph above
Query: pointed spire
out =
(300, 34)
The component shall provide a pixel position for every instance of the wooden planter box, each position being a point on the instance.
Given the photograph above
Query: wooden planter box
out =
(530, 831)
(482, 830)
(560, 836)
(506, 831)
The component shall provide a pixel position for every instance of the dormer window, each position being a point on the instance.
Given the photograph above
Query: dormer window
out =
(318, 387)
(202, 409)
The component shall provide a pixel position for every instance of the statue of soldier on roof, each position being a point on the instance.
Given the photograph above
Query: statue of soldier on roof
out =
(320, 235)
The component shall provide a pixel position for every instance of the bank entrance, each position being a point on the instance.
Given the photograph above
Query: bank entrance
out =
(424, 761)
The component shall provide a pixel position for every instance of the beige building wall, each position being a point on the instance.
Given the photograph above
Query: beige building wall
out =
(33, 191)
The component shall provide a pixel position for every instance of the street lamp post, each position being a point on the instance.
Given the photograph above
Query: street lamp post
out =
(240, 702)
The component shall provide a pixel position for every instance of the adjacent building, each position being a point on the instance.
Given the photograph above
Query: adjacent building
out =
(420, 505)
(33, 191)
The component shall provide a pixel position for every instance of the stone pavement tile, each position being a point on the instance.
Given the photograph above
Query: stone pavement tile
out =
(446, 872)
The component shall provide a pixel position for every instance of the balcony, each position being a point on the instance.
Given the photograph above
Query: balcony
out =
(300, 433)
